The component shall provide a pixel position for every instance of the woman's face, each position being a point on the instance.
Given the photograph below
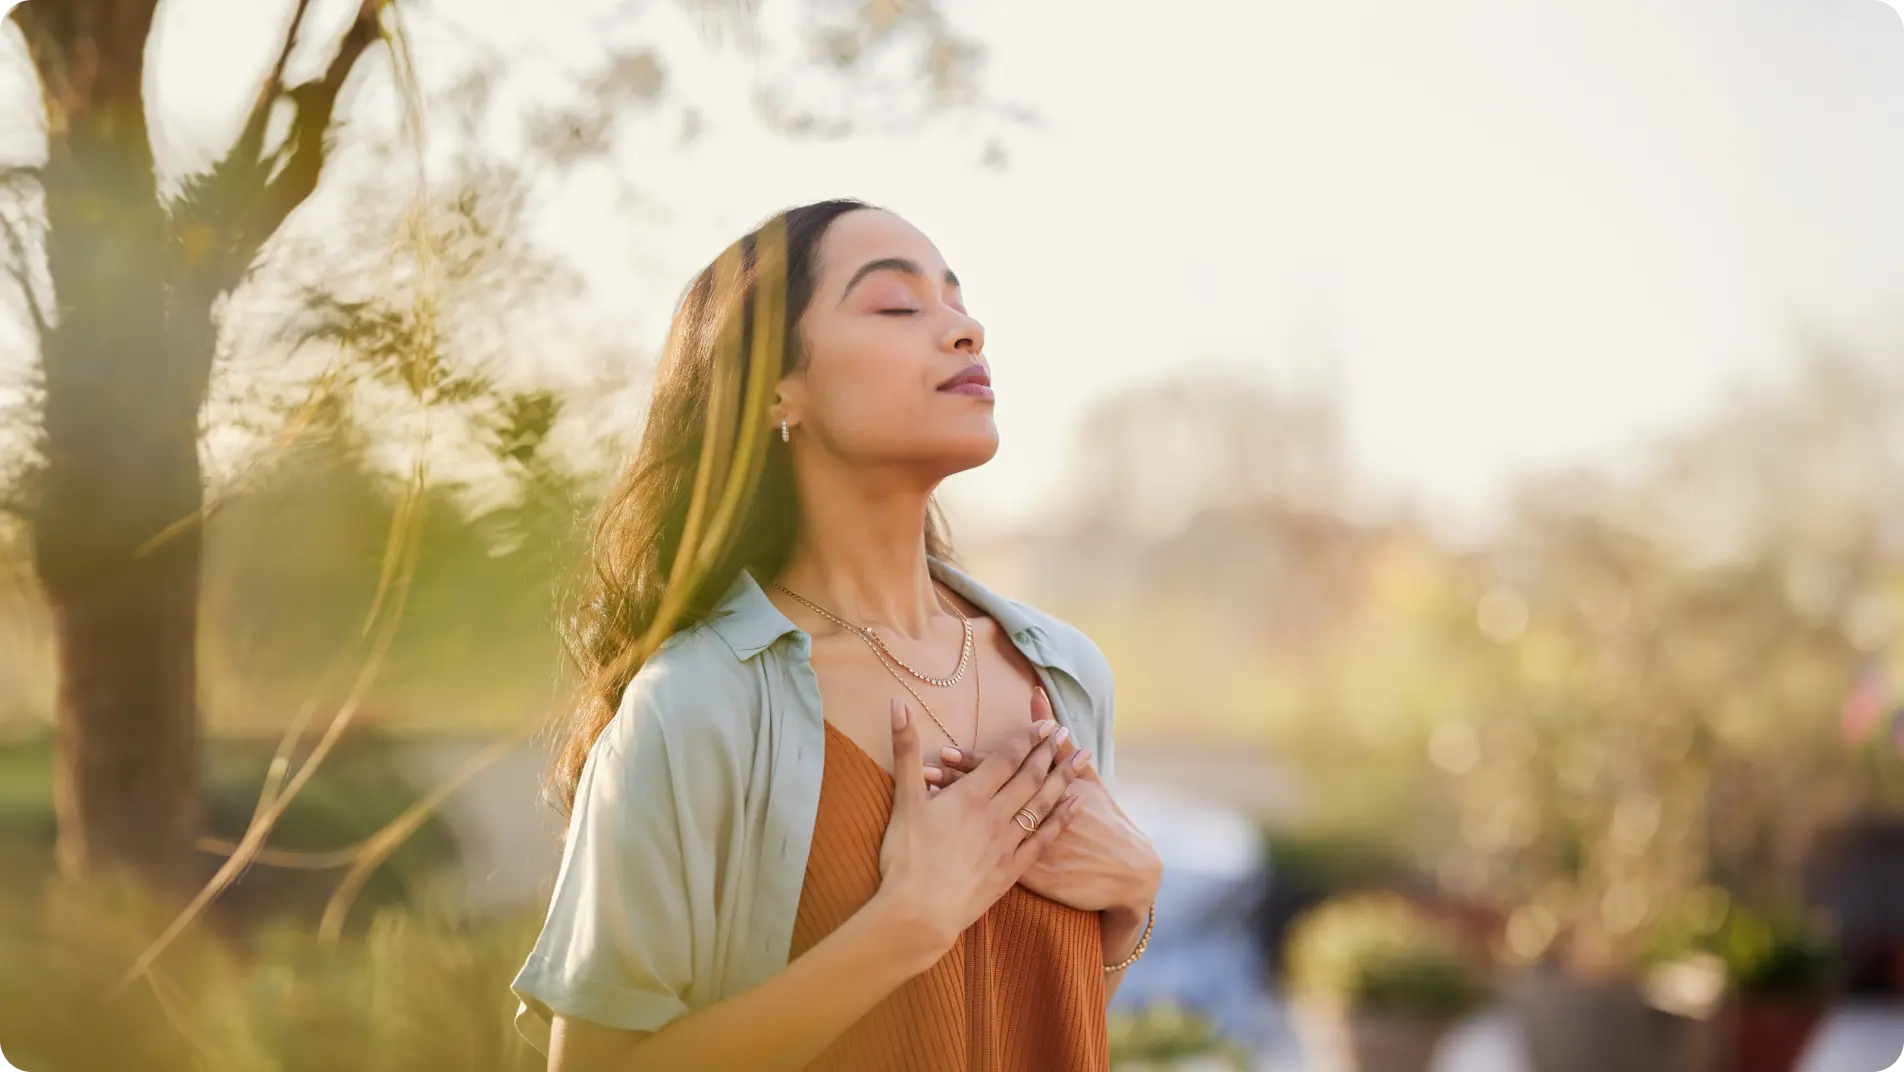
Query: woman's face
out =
(895, 372)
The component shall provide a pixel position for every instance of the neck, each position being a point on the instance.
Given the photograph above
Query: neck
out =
(861, 552)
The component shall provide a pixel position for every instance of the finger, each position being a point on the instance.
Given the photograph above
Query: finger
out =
(1081, 761)
(940, 777)
(1024, 785)
(958, 759)
(1041, 712)
(1067, 744)
(909, 781)
(1033, 846)
(1041, 704)
(998, 768)
(1052, 792)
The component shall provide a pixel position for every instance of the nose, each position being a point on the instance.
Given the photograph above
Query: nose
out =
(967, 336)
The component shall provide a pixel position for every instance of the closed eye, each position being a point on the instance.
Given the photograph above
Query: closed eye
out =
(897, 312)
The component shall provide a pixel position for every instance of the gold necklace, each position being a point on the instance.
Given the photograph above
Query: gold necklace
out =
(978, 698)
(866, 633)
(886, 661)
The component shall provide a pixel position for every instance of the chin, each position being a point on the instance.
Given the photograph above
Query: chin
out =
(969, 451)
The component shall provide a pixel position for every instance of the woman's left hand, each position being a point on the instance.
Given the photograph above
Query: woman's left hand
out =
(1101, 862)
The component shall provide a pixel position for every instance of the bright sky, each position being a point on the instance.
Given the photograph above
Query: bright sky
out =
(1524, 233)
(1528, 233)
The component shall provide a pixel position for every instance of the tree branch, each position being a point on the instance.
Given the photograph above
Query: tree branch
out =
(305, 147)
(250, 144)
(11, 181)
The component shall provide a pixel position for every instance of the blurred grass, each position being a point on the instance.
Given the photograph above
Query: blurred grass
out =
(353, 795)
(410, 985)
(416, 989)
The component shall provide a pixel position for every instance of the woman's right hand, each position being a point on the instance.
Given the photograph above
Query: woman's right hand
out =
(950, 855)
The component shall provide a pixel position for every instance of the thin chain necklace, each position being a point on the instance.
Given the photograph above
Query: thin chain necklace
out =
(866, 633)
(886, 660)
(978, 697)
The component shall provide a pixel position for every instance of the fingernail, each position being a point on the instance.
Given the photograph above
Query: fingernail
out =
(1082, 759)
(950, 755)
(898, 714)
(1063, 735)
(933, 774)
(1045, 728)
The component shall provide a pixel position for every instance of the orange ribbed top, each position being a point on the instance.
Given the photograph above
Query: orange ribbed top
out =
(1022, 990)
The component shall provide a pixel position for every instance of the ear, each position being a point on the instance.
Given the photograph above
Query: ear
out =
(789, 403)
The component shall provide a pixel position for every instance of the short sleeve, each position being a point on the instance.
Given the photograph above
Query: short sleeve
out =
(616, 947)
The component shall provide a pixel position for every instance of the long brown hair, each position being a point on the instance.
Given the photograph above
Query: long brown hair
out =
(709, 492)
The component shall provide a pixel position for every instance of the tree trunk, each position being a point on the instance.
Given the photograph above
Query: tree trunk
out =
(126, 367)
(127, 361)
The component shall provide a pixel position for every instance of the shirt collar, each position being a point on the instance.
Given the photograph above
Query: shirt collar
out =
(750, 623)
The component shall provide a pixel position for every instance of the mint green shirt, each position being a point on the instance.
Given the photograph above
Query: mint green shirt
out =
(688, 840)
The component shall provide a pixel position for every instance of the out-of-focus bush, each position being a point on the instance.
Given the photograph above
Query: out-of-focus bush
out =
(1380, 953)
(415, 989)
(1310, 866)
(1786, 952)
(1164, 1037)
(353, 794)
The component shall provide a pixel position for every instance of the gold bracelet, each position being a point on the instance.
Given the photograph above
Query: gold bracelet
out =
(1149, 922)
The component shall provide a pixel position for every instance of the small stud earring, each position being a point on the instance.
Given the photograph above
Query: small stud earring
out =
(785, 435)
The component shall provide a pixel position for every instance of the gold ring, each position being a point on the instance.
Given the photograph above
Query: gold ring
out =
(1021, 818)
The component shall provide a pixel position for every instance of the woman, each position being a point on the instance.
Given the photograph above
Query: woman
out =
(748, 883)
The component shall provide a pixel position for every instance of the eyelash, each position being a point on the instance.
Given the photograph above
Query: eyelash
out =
(897, 312)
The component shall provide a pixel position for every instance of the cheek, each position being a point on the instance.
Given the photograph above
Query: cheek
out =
(865, 380)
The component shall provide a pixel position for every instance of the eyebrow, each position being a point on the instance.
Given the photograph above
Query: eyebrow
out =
(893, 264)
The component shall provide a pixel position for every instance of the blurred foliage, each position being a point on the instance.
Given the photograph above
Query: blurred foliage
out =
(1160, 1035)
(351, 796)
(1379, 952)
(293, 570)
(1780, 955)
(1786, 952)
(1311, 865)
(418, 988)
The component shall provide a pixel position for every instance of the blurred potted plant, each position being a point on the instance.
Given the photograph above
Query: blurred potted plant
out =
(1784, 972)
(1378, 981)
(1166, 1038)
(1781, 970)
(1637, 997)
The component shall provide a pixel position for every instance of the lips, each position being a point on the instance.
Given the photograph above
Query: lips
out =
(971, 380)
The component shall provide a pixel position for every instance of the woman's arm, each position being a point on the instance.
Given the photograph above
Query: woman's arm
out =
(785, 1022)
